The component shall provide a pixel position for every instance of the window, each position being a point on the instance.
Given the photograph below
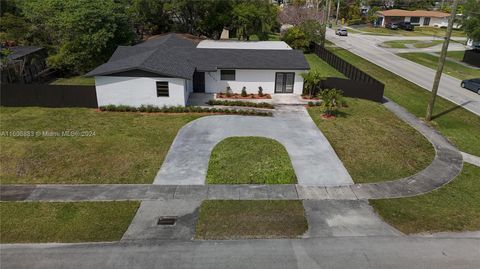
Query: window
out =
(162, 88)
(227, 74)
(415, 20)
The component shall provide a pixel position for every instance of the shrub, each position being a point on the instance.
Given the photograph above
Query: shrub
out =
(229, 92)
(296, 38)
(331, 100)
(181, 109)
(244, 92)
(311, 104)
(239, 103)
(260, 91)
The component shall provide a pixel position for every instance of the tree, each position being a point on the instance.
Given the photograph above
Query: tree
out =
(312, 30)
(149, 17)
(254, 17)
(295, 15)
(13, 28)
(296, 38)
(311, 82)
(79, 34)
(332, 99)
(472, 21)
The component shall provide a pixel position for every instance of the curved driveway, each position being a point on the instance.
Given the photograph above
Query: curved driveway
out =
(314, 160)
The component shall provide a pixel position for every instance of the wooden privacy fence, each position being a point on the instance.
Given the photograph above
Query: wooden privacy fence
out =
(43, 95)
(472, 57)
(359, 84)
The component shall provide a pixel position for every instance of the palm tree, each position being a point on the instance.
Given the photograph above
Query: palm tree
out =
(311, 82)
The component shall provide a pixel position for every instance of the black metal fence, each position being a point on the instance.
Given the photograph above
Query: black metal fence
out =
(472, 57)
(43, 95)
(360, 85)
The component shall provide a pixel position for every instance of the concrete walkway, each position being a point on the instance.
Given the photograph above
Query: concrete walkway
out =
(313, 159)
(471, 159)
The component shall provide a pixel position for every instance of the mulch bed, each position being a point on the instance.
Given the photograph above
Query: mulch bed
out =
(239, 96)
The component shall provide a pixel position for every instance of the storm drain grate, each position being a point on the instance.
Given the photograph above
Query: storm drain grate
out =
(167, 220)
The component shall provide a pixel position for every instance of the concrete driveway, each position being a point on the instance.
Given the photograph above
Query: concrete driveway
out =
(313, 159)
(366, 47)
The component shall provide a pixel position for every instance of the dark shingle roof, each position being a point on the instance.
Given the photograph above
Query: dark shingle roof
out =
(172, 55)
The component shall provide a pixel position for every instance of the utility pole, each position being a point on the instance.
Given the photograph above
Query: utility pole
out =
(338, 8)
(441, 62)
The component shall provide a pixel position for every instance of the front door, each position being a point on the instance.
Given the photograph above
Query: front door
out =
(198, 81)
(284, 82)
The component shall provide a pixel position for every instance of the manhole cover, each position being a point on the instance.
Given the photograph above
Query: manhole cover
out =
(166, 220)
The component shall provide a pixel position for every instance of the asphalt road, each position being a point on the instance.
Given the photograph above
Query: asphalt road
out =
(338, 252)
(366, 47)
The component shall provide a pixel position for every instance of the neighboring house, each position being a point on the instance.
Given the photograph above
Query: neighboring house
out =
(22, 64)
(416, 17)
(166, 69)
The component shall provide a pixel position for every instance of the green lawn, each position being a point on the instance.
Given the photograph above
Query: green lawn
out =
(229, 219)
(373, 143)
(451, 68)
(398, 44)
(419, 31)
(321, 66)
(77, 80)
(35, 222)
(455, 55)
(454, 207)
(459, 125)
(124, 148)
(427, 44)
(250, 160)
(402, 44)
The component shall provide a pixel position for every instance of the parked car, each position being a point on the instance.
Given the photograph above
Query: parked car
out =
(471, 84)
(391, 26)
(407, 26)
(341, 32)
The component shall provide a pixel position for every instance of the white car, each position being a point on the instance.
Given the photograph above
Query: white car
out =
(341, 32)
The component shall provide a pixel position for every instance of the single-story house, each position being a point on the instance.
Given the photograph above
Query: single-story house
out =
(166, 69)
(415, 17)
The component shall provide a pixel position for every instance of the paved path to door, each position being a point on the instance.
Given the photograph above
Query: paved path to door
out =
(313, 159)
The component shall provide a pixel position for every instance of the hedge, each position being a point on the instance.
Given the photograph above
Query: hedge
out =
(181, 109)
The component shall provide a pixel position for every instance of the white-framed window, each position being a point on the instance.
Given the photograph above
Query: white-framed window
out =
(227, 74)
(162, 89)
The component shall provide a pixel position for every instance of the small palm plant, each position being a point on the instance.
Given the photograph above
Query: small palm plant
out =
(332, 99)
(311, 82)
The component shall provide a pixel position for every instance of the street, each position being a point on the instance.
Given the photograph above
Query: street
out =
(366, 47)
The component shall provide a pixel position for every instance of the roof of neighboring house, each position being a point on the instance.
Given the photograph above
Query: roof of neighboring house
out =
(175, 55)
(415, 13)
(229, 44)
(21, 51)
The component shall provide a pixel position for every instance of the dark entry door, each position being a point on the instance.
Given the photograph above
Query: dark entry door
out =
(199, 81)
(284, 82)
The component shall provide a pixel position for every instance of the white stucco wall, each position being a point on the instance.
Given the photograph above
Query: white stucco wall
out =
(251, 79)
(137, 91)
